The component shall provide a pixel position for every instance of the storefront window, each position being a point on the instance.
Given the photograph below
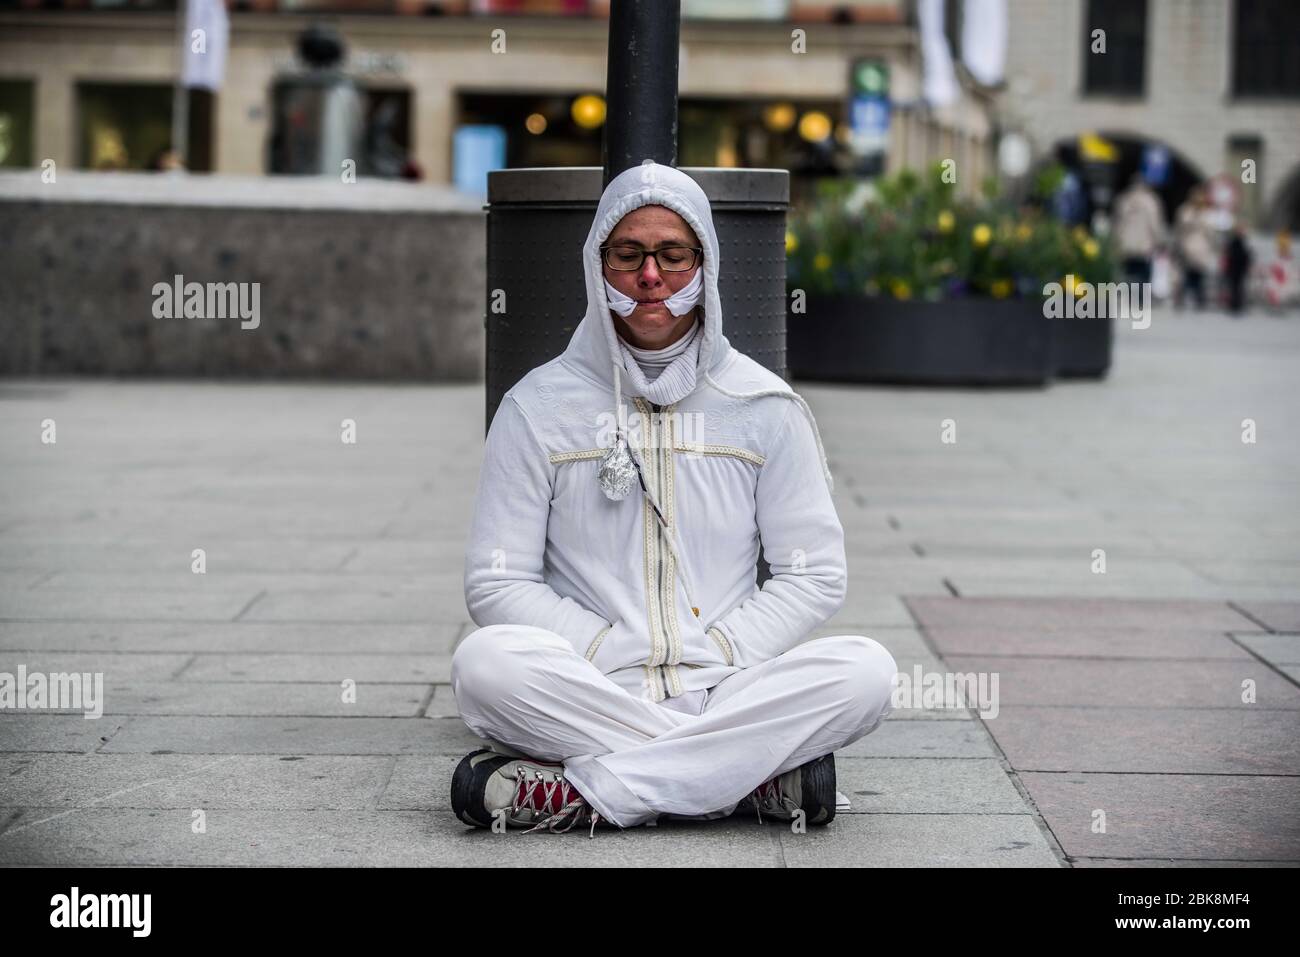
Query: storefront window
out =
(129, 126)
(16, 124)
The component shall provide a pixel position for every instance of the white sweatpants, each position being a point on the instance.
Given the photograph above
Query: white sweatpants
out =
(696, 755)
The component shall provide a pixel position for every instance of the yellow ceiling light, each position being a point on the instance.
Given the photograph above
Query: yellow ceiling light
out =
(535, 124)
(815, 126)
(588, 111)
(779, 117)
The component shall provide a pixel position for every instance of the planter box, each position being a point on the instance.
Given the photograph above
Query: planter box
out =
(1082, 346)
(957, 342)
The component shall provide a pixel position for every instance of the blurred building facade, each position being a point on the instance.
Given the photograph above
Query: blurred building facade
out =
(89, 86)
(1209, 84)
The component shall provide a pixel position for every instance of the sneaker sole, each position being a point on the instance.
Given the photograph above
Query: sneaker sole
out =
(469, 779)
(818, 782)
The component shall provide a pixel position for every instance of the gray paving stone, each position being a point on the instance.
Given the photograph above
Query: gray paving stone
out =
(116, 667)
(923, 739)
(243, 637)
(1276, 615)
(194, 781)
(217, 578)
(350, 838)
(404, 669)
(1250, 572)
(1051, 614)
(868, 608)
(76, 733)
(170, 554)
(408, 605)
(1113, 588)
(166, 605)
(1168, 862)
(1156, 741)
(1085, 642)
(1104, 683)
(914, 840)
(231, 698)
(1178, 816)
(927, 786)
(904, 641)
(1279, 649)
(291, 735)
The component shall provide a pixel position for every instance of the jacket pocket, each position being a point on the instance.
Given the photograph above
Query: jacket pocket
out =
(616, 646)
(597, 642)
(722, 644)
(706, 647)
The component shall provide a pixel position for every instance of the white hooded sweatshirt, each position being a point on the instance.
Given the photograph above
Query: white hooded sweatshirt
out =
(657, 589)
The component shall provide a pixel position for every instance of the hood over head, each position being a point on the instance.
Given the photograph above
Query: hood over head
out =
(595, 343)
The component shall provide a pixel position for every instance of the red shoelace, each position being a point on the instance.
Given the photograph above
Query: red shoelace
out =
(547, 796)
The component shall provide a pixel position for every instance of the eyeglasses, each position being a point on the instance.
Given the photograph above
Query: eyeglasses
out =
(668, 258)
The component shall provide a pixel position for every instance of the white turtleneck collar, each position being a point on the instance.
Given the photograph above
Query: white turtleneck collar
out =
(654, 361)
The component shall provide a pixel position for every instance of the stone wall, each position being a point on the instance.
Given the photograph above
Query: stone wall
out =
(365, 280)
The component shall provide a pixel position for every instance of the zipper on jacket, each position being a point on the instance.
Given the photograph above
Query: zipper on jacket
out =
(663, 603)
(666, 597)
(671, 628)
(656, 607)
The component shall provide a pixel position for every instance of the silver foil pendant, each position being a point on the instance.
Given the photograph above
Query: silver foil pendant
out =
(617, 472)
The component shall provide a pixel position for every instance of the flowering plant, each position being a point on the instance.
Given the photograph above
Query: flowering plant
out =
(909, 235)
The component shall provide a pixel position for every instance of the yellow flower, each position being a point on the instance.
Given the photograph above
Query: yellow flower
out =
(821, 262)
(1090, 248)
(900, 289)
(946, 221)
(1001, 288)
(1080, 235)
(791, 243)
(981, 235)
(1024, 232)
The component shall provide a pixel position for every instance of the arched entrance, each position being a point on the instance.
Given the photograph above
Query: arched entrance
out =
(1104, 180)
(1284, 210)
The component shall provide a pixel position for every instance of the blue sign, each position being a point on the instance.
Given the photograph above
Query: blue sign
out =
(475, 151)
(869, 114)
(1155, 165)
(868, 124)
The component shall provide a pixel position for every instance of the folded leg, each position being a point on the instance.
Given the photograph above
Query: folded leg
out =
(758, 723)
(526, 688)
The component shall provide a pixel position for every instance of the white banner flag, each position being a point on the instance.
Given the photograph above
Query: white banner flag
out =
(207, 35)
(939, 79)
(984, 39)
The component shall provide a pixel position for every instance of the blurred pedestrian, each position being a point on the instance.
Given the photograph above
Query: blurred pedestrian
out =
(1139, 228)
(1237, 260)
(1283, 282)
(1195, 245)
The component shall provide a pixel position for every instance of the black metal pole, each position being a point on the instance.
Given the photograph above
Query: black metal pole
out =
(641, 85)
